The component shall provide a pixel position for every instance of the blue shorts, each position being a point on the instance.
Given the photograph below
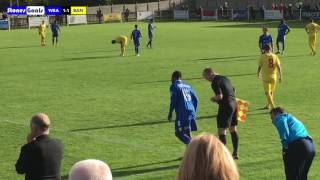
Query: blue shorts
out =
(185, 125)
(281, 38)
(136, 43)
(55, 34)
(150, 36)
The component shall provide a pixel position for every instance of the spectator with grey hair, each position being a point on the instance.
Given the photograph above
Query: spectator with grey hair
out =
(90, 169)
(40, 158)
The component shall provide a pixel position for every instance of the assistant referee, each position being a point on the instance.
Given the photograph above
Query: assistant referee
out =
(227, 113)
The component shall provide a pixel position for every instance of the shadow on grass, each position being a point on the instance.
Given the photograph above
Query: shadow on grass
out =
(244, 58)
(196, 78)
(19, 47)
(96, 51)
(144, 165)
(142, 171)
(260, 24)
(122, 126)
(135, 124)
(259, 163)
(259, 113)
(88, 58)
(223, 58)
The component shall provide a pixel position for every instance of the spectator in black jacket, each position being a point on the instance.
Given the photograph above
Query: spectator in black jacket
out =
(40, 158)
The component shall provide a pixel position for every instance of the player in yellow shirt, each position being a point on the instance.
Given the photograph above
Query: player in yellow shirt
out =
(42, 33)
(269, 68)
(312, 28)
(123, 41)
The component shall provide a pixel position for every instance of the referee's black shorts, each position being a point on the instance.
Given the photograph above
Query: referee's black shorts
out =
(227, 114)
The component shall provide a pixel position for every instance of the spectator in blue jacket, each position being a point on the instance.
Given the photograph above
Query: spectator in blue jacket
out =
(298, 147)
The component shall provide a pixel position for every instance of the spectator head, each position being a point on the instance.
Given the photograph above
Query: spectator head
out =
(208, 74)
(176, 75)
(206, 158)
(40, 124)
(113, 41)
(90, 169)
(265, 30)
(276, 111)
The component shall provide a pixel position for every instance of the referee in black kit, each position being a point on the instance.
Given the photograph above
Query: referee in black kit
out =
(227, 113)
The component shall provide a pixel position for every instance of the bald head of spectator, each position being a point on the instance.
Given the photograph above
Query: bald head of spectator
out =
(39, 124)
(90, 169)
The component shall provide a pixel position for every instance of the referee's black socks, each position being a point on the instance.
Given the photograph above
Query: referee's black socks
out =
(235, 141)
(223, 139)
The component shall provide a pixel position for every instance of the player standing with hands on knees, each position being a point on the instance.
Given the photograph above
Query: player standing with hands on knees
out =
(227, 113)
(185, 103)
(135, 36)
(298, 148)
(123, 41)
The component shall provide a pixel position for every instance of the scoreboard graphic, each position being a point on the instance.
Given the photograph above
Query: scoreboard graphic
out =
(46, 10)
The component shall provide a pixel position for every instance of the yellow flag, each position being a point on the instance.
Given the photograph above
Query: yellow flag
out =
(243, 109)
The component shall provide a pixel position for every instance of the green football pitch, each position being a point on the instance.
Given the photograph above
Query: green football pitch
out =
(114, 108)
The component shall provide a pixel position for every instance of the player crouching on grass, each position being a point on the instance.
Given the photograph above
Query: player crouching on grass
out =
(123, 41)
(185, 102)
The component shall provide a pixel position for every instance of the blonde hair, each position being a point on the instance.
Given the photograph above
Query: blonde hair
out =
(206, 158)
(90, 169)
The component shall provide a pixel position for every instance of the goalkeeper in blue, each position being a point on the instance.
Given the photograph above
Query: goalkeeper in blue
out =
(185, 102)
(283, 30)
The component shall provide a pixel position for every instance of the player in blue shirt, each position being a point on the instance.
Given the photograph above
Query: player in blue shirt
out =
(283, 30)
(297, 145)
(185, 103)
(265, 39)
(135, 36)
(55, 32)
(151, 28)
